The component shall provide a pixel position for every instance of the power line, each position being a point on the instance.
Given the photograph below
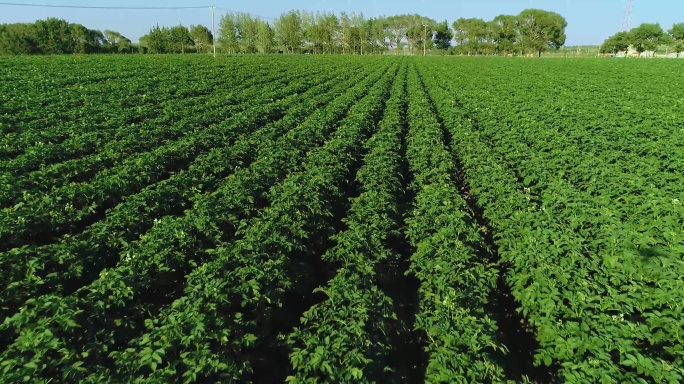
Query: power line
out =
(101, 7)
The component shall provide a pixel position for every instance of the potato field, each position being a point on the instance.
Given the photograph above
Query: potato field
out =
(341, 219)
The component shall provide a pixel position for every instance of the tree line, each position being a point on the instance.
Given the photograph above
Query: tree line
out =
(56, 36)
(646, 37)
(177, 39)
(531, 32)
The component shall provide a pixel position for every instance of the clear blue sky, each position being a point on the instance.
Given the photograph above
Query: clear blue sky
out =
(589, 21)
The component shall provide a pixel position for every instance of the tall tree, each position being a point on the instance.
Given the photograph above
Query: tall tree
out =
(489, 45)
(360, 32)
(180, 38)
(460, 27)
(647, 37)
(504, 33)
(54, 36)
(19, 39)
(541, 30)
(228, 33)
(678, 47)
(158, 40)
(619, 42)
(477, 35)
(311, 31)
(288, 31)
(117, 42)
(677, 35)
(470, 34)
(420, 33)
(86, 40)
(397, 27)
(418, 29)
(202, 38)
(443, 36)
(266, 37)
(375, 34)
(247, 32)
(345, 36)
(329, 29)
(677, 32)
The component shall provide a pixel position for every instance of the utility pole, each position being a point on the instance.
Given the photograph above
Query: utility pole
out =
(424, 39)
(213, 29)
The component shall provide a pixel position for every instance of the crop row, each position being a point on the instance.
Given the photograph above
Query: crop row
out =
(97, 143)
(87, 116)
(599, 313)
(39, 218)
(347, 220)
(118, 306)
(457, 277)
(77, 259)
(344, 338)
(229, 302)
(117, 151)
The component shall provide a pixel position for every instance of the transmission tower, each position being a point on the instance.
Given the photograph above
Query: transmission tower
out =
(627, 22)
